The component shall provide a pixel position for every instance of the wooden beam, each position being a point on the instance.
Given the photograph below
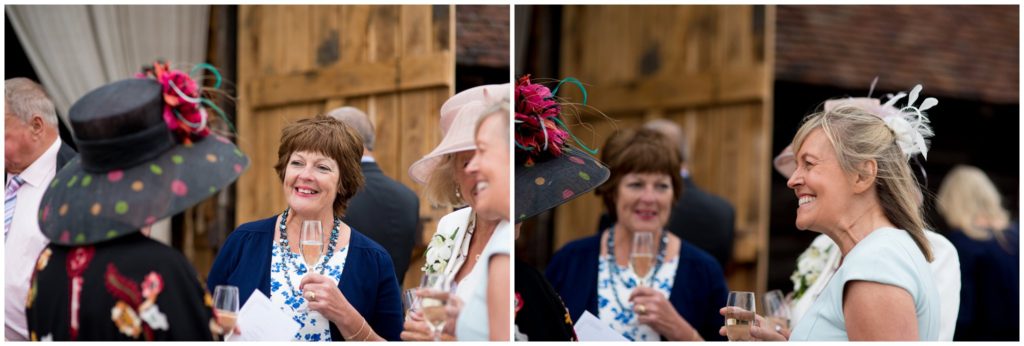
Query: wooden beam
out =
(765, 190)
(737, 84)
(347, 80)
(427, 71)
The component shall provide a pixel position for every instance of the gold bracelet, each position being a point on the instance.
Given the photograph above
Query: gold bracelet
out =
(368, 333)
(353, 337)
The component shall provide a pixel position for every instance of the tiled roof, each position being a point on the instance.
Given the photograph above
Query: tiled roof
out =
(968, 52)
(482, 35)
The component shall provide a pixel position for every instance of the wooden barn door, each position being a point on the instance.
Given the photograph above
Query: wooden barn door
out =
(396, 63)
(707, 68)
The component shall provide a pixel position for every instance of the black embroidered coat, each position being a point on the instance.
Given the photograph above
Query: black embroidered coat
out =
(131, 288)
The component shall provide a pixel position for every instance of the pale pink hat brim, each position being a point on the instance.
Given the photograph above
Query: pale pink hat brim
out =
(459, 116)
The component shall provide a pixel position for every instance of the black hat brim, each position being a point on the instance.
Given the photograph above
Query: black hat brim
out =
(544, 185)
(81, 208)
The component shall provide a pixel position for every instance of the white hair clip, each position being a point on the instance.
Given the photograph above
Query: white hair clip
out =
(911, 124)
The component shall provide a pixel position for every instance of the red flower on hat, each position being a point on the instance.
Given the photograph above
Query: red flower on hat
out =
(182, 111)
(536, 111)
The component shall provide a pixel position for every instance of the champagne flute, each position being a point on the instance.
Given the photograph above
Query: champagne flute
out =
(642, 256)
(311, 244)
(225, 307)
(411, 302)
(776, 310)
(432, 302)
(739, 316)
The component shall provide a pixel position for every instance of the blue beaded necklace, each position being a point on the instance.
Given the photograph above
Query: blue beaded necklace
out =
(288, 258)
(615, 266)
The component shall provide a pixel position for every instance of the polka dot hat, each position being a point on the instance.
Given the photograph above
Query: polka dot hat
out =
(131, 169)
(549, 172)
(545, 184)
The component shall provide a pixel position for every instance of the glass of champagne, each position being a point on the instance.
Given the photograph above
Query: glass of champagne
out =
(411, 302)
(776, 310)
(739, 316)
(225, 307)
(432, 302)
(642, 256)
(311, 243)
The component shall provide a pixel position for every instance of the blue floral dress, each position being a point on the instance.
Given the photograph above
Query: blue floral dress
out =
(314, 326)
(621, 317)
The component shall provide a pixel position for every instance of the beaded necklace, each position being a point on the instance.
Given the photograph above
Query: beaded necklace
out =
(615, 266)
(287, 250)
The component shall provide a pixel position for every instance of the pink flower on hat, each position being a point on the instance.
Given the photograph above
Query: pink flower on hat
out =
(536, 110)
(182, 111)
(534, 99)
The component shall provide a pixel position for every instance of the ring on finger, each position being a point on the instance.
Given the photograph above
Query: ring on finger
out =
(641, 309)
(311, 296)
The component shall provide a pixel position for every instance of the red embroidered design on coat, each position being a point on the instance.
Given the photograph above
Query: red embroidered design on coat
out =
(519, 303)
(136, 303)
(77, 261)
(122, 288)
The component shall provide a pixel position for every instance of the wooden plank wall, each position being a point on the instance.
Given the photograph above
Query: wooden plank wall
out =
(396, 63)
(708, 68)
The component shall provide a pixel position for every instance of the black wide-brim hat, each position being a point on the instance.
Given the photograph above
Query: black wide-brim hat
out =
(131, 170)
(547, 183)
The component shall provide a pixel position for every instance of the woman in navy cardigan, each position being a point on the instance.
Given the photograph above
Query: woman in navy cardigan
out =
(686, 287)
(351, 293)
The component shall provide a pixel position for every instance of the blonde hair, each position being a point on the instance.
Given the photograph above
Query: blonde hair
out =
(968, 196)
(499, 108)
(441, 186)
(858, 136)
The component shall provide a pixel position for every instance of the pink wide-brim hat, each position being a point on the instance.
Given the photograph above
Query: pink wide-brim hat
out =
(785, 162)
(458, 121)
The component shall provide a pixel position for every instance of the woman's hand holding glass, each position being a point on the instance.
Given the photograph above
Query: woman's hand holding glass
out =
(758, 331)
(641, 258)
(311, 246)
(323, 296)
(742, 322)
(739, 315)
(654, 310)
(776, 310)
(225, 311)
(438, 305)
(415, 328)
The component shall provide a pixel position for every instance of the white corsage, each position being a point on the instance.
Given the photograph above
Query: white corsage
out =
(439, 252)
(910, 126)
(809, 266)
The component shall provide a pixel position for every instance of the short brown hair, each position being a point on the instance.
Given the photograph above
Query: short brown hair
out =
(326, 136)
(638, 151)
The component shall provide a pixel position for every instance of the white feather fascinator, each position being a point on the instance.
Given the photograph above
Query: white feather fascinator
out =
(909, 123)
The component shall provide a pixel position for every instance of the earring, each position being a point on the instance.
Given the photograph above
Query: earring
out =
(457, 193)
